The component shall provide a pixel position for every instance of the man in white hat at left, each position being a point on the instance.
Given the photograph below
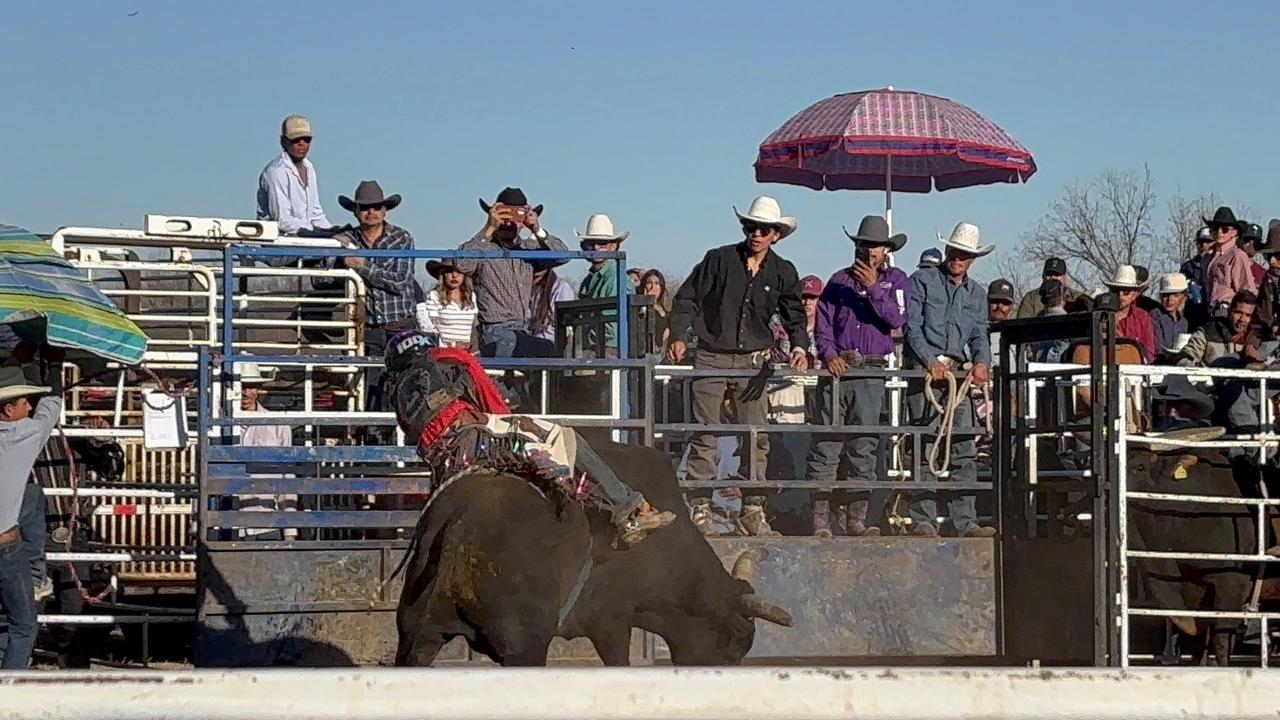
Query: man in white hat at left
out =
(728, 300)
(946, 334)
(23, 434)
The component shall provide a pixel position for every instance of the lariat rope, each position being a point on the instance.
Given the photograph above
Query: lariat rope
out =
(955, 394)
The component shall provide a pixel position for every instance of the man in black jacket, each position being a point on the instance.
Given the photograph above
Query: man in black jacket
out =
(729, 298)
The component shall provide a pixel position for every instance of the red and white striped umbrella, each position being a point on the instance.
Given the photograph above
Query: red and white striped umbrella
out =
(891, 140)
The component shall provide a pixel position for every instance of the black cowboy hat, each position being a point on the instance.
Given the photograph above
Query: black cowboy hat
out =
(874, 230)
(509, 196)
(1179, 388)
(368, 192)
(1225, 216)
(540, 265)
(436, 268)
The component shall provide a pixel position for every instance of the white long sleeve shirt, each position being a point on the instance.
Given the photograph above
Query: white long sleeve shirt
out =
(282, 196)
(21, 442)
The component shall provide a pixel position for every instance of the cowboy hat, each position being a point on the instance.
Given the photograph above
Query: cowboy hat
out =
(540, 265)
(251, 374)
(600, 230)
(14, 384)
(1172, 283)
(964, 237)
(510, 196)
(874, 230)
(1125, 277)
(368, 192)
(1179, 344)
(764, 210)
(1224, 216)
(1179, 388)
(436, 268)
(1272, 244)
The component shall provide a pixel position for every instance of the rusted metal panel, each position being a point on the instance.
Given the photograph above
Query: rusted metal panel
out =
(892, 597)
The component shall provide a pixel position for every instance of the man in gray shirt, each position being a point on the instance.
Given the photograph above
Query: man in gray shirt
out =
(22, 437)
(947, 331)
(504, 285)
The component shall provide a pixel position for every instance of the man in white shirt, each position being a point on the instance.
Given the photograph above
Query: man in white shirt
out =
(251, 381)
(287, 189)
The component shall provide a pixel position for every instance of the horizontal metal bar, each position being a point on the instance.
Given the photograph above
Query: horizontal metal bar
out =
(774, 428)
(1229, 441)
(905, 485)
(114, 619)
(373, 604)
(117, 557)
(244, 250)
(337, 453)
(314, 519)
(1237, 614)
(259, 546)
(1224, 557)
(1212, 499)
(108, 492)
(244, 485)
(1148, 371)
(685, 371)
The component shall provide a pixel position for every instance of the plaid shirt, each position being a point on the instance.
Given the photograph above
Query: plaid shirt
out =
(392, 290)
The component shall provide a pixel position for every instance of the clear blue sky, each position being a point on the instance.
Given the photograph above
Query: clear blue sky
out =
(650, 111)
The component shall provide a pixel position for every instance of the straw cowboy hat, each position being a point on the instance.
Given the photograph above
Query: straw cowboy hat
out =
(600, 230)
(1125, 277)
(965, 237)
(368, 192)
(14, 384)
(764, 210)
(251, 374)
(874, 230)
(1173, 283)
(1179, 344)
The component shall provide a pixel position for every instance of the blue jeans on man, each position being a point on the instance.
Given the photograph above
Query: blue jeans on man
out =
(31, 522)
(17, 596)
(962, 510)
(861, 403)
(499, 339)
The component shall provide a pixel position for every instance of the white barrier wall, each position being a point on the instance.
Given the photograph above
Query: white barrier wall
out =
(643, 694)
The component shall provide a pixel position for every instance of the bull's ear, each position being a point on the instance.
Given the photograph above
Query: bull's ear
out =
(754, 606)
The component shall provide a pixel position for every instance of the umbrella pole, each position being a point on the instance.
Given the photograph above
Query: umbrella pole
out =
(888, 191)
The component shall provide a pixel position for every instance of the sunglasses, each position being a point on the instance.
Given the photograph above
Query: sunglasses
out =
(750, 229)
(1223, 228)
(367, 208)
(304, 140)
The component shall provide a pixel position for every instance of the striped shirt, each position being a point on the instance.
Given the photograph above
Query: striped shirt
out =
(452, 322)
(503, 285)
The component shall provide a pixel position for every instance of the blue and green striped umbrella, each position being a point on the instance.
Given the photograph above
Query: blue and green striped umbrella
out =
(45, 299)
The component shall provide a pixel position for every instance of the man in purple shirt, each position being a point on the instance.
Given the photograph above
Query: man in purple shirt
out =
(859, 308)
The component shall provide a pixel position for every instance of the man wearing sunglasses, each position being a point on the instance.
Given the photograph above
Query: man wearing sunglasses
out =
(1229, 271)
(287, 189)
(728, 300)
(504, 285)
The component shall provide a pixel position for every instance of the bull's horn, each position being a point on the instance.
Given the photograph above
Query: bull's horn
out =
(754, 606)
(744, 568)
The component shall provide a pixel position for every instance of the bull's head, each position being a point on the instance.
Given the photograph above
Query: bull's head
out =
(722, 632)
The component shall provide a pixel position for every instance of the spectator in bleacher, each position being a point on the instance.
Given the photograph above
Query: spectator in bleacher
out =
(504, 285)
(1132, 321)
(946, 331)
(636, 276)
(1054, 269)
(810, 290)
(450, 307)
(1053, 296)
(1250, 238)
(1195, 268)
(288, 191)
(1228, 271)
(23, 434)
(1169, 320)
(1268, 314)
(1222, 341)
(1144, 301)
(251, 382)
(999, 300)
(860, 307)
(930, 258)
(602, 275)
(729, 298)
(391, 290)
(548, 289)
(654, 284)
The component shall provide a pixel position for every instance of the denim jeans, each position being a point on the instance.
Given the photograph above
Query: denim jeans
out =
(861, 403)
(622, 500)
(499, 339)
(17, 595)
(31, 519)
(962, 511)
